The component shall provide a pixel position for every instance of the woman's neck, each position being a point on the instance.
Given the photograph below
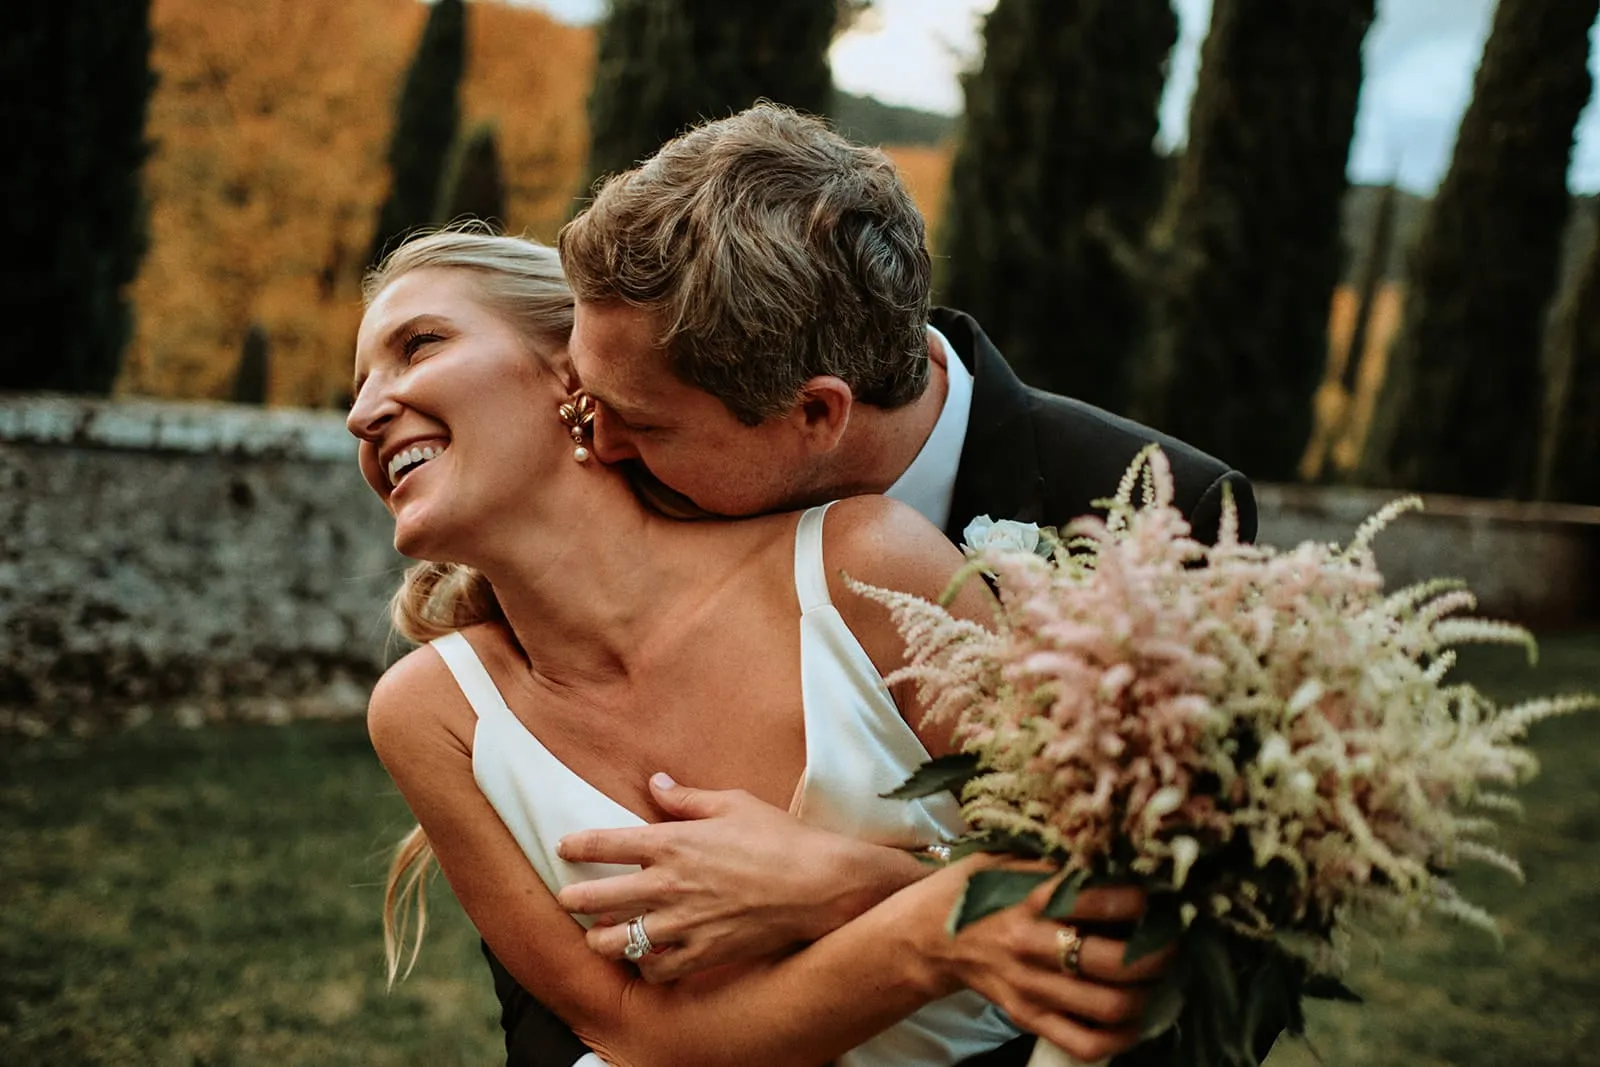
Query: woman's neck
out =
(589, 579)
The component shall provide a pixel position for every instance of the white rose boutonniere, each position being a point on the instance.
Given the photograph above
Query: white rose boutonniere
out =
(984, 534)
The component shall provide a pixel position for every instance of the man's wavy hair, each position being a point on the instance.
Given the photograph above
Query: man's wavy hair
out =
(771, 250)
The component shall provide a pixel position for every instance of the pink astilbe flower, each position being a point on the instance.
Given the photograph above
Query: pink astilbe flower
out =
(1151, 708)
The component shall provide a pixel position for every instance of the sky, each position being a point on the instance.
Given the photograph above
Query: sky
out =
(1420, 60)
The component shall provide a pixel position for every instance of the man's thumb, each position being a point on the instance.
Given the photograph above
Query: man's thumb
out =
(680, 800)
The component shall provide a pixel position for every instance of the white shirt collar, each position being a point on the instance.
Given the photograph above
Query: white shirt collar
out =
(929, 484)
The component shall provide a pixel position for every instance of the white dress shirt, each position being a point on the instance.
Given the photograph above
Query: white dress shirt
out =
(929, 484)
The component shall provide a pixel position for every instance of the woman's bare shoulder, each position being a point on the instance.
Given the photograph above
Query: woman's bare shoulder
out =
(417, 694)
(883, 542)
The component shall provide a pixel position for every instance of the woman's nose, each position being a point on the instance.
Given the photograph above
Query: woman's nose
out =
(373, 408)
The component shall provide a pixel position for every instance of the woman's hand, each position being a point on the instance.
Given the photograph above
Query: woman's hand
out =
(735, 879)
(1014, 959)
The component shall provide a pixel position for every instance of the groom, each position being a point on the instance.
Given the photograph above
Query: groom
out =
(753, 323)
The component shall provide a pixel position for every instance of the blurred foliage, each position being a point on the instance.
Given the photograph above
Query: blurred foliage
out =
(426, 120)
(472, 186)
(270, 124)
(1335, 409)
(75, 82)
(1460, 409)
(663, 65)
(1570, 463)
(1054, 168)
(1248, 248)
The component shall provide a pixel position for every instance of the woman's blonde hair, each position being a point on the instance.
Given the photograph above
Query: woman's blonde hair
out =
(521, 280)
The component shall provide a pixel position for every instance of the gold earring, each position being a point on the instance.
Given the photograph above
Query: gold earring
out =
(577, 415)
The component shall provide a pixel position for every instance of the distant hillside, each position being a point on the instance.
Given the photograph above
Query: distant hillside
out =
(870, 121)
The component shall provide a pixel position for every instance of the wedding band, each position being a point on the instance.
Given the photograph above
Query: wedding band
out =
(1069, 945)
(638, 946)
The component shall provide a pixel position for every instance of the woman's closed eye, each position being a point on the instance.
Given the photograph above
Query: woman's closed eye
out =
(415, 340)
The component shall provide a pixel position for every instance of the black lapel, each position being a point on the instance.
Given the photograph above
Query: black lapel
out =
(999, 472)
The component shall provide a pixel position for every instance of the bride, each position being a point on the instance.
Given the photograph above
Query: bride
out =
(578, 641)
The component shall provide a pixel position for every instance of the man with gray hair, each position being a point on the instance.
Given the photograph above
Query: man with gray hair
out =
(753, 322)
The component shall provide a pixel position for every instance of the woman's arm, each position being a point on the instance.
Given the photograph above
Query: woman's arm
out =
(805, 1009)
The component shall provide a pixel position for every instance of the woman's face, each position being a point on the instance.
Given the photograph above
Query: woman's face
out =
(455, 411)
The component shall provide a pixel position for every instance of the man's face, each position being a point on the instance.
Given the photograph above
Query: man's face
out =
(684, 437)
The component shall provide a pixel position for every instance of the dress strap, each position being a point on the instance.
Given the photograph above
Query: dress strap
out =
(810, 579)
(471, 675)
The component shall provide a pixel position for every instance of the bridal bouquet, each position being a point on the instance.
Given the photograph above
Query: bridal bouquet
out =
(1266, 741)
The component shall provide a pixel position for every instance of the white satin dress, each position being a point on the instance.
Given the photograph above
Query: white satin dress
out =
(857, 747)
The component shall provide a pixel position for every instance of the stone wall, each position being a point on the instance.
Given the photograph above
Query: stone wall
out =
(189, 559)
(209, 561)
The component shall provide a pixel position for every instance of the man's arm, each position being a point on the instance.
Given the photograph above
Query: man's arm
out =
(733, 879)
(1205, 518)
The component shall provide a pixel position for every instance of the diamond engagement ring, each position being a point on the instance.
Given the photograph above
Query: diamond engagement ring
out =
(1069, 945)
(638, 946)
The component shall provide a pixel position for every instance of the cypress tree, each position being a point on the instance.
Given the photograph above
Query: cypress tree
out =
(472, 187)
(425, 126)
(1054, 172)
(250, 378)
(1459, 411)
(75, 83)
(1570, 470)
(663, 65)
(1248, 244)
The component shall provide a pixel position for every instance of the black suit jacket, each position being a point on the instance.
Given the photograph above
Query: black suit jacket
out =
(1029, 455)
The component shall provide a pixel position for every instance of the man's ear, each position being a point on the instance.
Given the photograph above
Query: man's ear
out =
(822, 412)
(560, 364)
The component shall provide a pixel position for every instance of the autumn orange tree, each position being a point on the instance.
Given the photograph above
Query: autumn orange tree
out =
(269, 124)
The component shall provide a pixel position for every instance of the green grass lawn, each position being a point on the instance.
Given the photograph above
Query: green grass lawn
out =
(211, 897)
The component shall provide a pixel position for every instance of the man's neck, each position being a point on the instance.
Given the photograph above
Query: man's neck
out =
(880, 444)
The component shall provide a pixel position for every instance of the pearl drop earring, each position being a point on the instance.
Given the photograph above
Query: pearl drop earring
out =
(577, 415)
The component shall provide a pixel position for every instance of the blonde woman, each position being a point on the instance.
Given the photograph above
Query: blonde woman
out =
(579, 642)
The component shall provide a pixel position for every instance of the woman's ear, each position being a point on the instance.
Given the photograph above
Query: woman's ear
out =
(822, 412)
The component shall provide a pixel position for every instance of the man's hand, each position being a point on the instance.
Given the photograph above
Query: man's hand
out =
(737, 879)
(1013, 958)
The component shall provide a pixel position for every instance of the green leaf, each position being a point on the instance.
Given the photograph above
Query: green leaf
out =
(935, 776)
(1214, 970)
(1165, 1005)
(1065, 896)
(1326, 987)
(1160, 926)
(999, 841)
(1267, 993)
(994, 890)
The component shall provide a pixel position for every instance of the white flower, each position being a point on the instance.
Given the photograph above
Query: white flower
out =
(984, 534)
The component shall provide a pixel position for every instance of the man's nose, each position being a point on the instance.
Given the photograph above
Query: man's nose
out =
(373, 408)
(612, 444)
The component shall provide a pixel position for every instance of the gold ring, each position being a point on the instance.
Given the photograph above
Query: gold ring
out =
(1069, 946)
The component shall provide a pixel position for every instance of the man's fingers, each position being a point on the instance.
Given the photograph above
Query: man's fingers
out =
(1100, 959)
(638, 845)
(1109, 903)
(626, 895)
(610, 941)
(682, 802)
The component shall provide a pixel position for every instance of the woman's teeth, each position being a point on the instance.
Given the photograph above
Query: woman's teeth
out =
(403, 462)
